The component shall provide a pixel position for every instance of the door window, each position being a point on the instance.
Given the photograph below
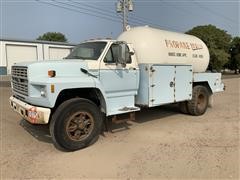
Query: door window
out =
(113, 54)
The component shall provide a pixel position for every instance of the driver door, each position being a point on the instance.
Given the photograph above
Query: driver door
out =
(120, 81)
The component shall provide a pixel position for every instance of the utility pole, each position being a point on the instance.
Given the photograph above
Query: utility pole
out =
(125, 16)
(124, 6)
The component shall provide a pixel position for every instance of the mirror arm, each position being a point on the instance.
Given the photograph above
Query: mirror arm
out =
(131, 53)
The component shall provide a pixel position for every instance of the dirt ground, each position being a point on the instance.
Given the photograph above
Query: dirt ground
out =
(162, 143)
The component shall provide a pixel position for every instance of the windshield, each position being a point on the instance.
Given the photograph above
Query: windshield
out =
(88, 50)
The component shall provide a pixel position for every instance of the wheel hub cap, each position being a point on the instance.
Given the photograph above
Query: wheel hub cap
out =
(79, 126)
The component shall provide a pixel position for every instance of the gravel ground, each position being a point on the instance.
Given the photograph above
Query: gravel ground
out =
(161, 143)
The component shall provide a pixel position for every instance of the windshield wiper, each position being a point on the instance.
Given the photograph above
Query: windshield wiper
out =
(75, 57)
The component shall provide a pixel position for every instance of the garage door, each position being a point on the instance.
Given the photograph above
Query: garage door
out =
(58, 53)
(19, 53)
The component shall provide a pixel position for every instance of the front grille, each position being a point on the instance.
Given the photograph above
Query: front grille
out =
(20, 80)
(19, 97)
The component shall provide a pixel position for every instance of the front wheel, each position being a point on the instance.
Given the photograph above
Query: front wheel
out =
(200, 99)
(75, 124)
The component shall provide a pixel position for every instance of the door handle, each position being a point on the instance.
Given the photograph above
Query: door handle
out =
(171, 84)
(132, 68)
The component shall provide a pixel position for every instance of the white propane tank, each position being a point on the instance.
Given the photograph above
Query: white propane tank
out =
(157, 46)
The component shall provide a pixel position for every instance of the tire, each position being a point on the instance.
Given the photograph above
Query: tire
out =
(200, 99)
(75, 124)
(183, 107)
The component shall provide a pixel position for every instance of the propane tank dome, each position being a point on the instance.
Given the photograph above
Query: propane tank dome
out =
(157, 46)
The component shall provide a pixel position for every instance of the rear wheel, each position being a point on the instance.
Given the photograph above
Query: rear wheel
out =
(75, 124)
(199, 103)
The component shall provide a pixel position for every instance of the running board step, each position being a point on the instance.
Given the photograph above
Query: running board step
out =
(129, 109)
(117, 119)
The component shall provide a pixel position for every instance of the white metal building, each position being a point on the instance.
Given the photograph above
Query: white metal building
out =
(14, 51)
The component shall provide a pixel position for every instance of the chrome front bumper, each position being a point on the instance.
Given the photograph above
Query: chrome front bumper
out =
(33, 114)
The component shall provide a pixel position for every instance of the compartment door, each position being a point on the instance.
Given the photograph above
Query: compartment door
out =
(162, 85)
(183, 83)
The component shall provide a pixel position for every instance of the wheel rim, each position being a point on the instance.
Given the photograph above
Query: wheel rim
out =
(79, 126)
(201, 102)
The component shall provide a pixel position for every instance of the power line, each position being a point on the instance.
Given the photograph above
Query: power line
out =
(187, 1)
(103, 15)
(214, 12)
(106, 12)
(76, 10)
(147, 22)
(124, 6)
(90, 8)
(183, 10)
(93, 7)
(135, 21)
(113, 16)
(82, 12)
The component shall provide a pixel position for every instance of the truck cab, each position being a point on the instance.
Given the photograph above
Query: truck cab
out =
(103, 75)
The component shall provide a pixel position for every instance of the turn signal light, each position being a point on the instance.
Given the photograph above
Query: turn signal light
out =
(52, 88)
(51, 73)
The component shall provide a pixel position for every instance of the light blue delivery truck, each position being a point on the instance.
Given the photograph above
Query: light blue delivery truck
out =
(144, 67)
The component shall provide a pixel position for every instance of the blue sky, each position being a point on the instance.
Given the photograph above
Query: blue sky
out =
(77, 19)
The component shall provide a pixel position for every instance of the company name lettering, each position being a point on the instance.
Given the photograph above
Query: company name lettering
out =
(182, 45)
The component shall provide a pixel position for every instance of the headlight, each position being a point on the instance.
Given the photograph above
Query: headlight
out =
(43, 92)
(38, 90)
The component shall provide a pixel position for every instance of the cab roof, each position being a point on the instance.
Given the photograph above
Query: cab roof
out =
(100, 40)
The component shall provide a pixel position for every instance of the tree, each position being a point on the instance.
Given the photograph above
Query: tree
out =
(218, 43)
(53, 36)
(234, 63)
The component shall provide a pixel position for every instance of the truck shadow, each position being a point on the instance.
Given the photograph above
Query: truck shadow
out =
(145, 115)
(156, 113)
(41, 132)
(38, 131)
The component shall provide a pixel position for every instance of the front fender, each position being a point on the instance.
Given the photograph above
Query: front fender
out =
(61, 84)
(57, 84)
(98, 85)
(65, 83)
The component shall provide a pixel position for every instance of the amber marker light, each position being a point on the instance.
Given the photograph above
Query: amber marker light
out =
(52, 88)
(51, 73)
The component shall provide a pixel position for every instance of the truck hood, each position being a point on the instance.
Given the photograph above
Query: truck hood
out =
(63, 68)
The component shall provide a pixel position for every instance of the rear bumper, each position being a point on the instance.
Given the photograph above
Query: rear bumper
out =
(33, 114)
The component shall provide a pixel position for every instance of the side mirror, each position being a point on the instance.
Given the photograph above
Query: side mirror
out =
(122, 56)
(131, 53)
